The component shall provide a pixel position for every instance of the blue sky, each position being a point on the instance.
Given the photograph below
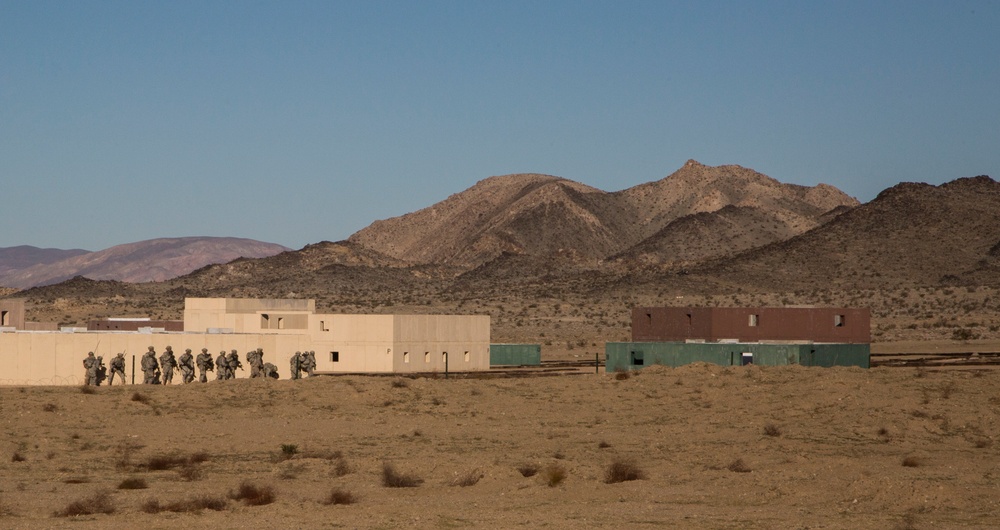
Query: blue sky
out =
(297, 122)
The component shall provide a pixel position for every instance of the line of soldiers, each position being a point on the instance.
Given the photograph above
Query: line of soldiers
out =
(162, 371)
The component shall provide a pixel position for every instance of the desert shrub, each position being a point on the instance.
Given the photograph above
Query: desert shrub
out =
(983, 443)
(198, 458)
(394, 479)
(99, 502)
(76, 480)
(554, 475)
(911, 461)
(141, 398)
(622, 375)
(772, 430)
(739, 466)
(17, 457)
(87, 389)
(50, 407)
(133, 483)
(883, 432)
(528, 470)
(622, 471)
(603, 445)
(253, 495)
(400, 383)
(340, 496)
(468, 479)
(164, 462)
(289, 450)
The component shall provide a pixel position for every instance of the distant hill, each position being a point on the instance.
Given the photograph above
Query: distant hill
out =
(144, 261)
(542, 215)
(24, 256)
(910, 234)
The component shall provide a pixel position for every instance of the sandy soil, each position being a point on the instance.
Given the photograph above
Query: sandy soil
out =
(753, 447)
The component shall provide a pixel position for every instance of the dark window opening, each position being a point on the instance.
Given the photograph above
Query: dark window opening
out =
(637, 358)
(838, 321)
(754, 320)
(335, 357)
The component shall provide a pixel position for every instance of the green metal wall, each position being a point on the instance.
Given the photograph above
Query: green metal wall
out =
(515, 354)
(636, 355)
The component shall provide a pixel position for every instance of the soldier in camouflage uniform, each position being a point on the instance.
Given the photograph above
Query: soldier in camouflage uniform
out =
(150, 368)
(167, 363)
(269, 371)
(221, 367)
(255, 358)
(100, 371)
(205, 364)
(90, 369)
(186, 364)
(117, 367)
(309, 362)
(234, 363)
(295, 365)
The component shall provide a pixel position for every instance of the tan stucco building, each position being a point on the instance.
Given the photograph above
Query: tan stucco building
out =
(343, 343)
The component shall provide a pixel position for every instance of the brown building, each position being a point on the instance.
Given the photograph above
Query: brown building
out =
(12, 313)
(762, 324)
(134, 324)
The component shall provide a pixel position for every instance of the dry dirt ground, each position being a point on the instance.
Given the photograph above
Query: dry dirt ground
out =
(734, 447)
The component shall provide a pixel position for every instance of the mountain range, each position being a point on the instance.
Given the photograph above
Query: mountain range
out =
(553, 259)
(153, 260)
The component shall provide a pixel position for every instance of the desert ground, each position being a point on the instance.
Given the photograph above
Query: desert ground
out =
(708, 447)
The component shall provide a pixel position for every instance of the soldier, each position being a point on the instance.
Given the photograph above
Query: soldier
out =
(117, 367)
(186, 364)
(205, 364)
(309, 362)
(221, 367)
(295, 365)
(90, 369)
(234, 363)
(167, 363)
(150, 368)
(255, 362)
(100, 371)
(269, 371)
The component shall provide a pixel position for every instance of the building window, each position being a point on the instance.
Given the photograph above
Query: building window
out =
(427, 356)
(406, 357)
(5, 318)
(444, 357)
(322, 325)
(466, 356)
(838, 321)
(689, 319)
(281, 323)
(754, 320)
(335, 357)
(649, 319)
(265, 321)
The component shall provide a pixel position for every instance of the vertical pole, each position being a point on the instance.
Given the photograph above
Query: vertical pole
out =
(597, 362)
(133, 369)
(446, 365)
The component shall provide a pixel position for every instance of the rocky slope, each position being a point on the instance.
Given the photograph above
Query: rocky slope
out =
(541, 215)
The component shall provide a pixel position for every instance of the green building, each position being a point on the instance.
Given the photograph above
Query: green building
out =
(515, 354)
(622, 356)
